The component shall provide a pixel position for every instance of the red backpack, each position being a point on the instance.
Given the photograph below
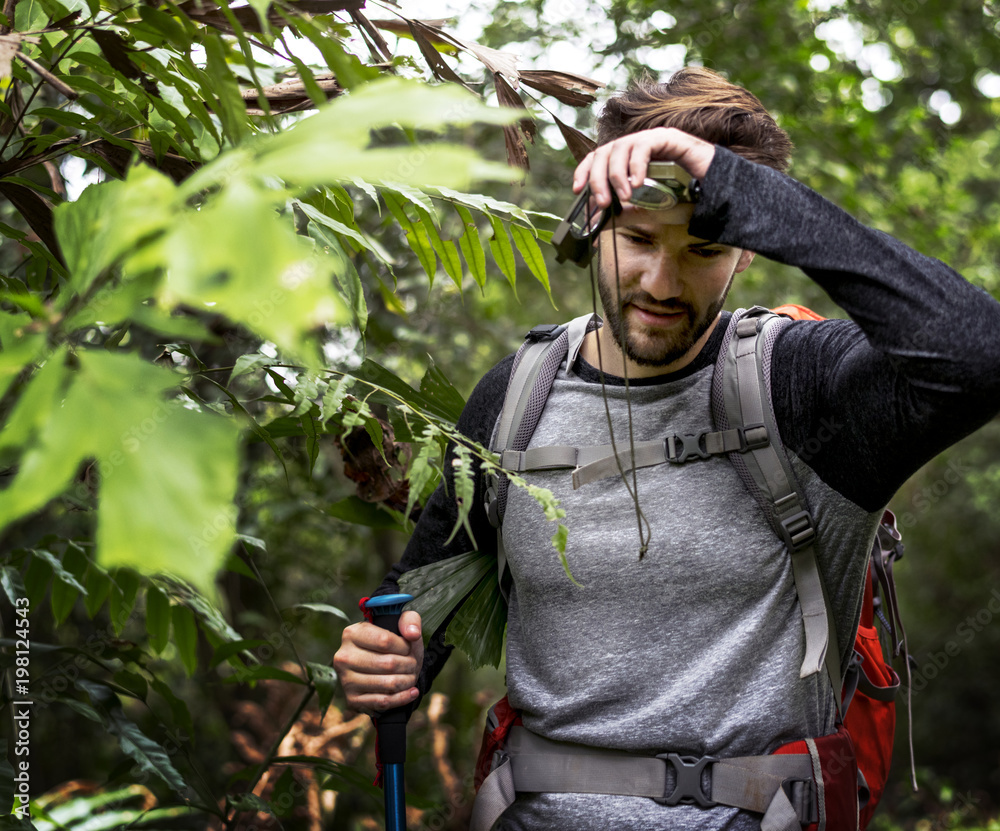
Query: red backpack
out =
(744, 421)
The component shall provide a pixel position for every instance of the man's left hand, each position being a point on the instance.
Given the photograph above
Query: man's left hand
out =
(623, 162)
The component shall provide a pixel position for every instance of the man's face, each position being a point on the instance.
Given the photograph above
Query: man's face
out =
(672, 286)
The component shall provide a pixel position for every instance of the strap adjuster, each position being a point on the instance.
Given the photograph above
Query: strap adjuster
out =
(691, 448)
(545, 331)
(753, 437)
(798, 530)
(688, 786)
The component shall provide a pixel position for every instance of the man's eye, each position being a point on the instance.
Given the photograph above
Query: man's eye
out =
(706, 253)
(635, 239)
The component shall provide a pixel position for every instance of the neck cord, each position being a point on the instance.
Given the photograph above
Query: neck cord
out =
(645, 532)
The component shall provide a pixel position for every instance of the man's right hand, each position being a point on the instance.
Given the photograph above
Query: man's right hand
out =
(378, 669)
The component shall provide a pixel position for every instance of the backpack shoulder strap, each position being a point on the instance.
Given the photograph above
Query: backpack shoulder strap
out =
(534, 370)
(741, 398)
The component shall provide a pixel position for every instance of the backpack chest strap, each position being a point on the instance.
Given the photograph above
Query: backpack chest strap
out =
(592, 463)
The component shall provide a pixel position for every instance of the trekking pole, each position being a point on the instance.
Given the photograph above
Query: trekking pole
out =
(391, 725)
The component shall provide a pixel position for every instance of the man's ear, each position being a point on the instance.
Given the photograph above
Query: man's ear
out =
(746, 257)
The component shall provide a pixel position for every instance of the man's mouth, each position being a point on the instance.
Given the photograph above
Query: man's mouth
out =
(658, 316)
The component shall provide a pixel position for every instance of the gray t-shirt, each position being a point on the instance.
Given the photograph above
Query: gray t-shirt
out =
(696, 647)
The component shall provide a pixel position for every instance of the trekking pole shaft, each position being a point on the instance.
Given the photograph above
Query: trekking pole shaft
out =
(391, 725)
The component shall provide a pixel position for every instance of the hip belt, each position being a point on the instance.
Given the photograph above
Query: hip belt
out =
(781, 787)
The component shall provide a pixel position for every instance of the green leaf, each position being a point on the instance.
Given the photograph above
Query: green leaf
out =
(36, 404)
(359, 782)
(322, 608)
(344, 273)
(150, 451)
(439, 587)
(422, 471)
(62, 574)
(157, 618)
(274, 281)
(324, 678)
(416, 234)
(36, 580)
(226, 99)
(70, 572)
(503, 252)
(287, 793)
(341, 229)
(479, 626)
(445, 249)
(125, 587)
(527, 245)
(225, 651)
(465, 487)
(13, 586)
(437, 388)
(246, 364)
(149, 755)
(133, 684)
(212, 620)
(249, 802)
(334, 397)
(378, 376)
(109, 220)
(98, 585)
(355, 510)
(472, 247)
(178, 709)
(185, 637)
(19, 346)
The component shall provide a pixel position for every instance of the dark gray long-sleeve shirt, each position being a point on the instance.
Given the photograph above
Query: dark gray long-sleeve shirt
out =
(861, 404)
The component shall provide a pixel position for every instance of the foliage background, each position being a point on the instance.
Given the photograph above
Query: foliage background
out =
(152, 316)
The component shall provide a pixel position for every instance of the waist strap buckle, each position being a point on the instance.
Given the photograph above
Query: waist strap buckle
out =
(689, 780)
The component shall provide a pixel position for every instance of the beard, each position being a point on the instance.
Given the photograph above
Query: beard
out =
(649, 347)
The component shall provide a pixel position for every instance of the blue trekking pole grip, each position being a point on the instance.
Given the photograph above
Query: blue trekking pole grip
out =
(391, 725)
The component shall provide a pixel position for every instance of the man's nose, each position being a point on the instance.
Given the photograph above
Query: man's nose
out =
(661, 276)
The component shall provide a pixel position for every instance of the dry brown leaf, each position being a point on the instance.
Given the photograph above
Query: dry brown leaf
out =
(9, 44)
(508, 97)
(493, 59)
(247, 17)
(442, 71)
(115, 51)
(578, 143)
(517, 153)
(373, 37)
(575, 90)
(36, 211)
(120, 158)
(401, 27)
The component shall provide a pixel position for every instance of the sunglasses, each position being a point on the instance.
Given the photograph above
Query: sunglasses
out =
(666, 184)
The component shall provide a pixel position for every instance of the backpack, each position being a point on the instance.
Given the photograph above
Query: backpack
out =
(745, 430)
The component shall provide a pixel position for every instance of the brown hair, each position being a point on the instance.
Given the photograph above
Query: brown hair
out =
(703, 103)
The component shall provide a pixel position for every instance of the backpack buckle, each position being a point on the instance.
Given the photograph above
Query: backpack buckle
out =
(545, 331)
(798, 530)
(691, 448)
(688, 774)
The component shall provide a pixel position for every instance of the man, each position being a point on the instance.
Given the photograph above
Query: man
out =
(696, 647)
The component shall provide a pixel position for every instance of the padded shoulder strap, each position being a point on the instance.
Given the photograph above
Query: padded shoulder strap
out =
(741, 398)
